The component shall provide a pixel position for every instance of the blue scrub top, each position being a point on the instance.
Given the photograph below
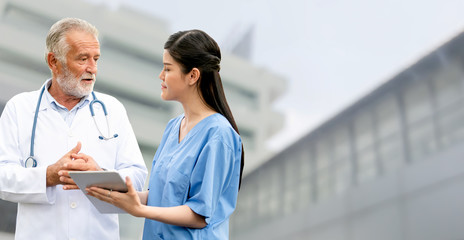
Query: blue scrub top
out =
(202, 172)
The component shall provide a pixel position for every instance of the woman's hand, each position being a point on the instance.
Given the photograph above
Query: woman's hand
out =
(129, 202)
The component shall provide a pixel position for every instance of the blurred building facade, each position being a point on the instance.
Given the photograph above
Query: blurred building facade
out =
(131, 46)
(390, 166)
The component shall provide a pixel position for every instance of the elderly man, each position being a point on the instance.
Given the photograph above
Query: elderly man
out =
(41, 132)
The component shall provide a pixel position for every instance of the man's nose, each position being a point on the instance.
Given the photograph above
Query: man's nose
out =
(92, 67)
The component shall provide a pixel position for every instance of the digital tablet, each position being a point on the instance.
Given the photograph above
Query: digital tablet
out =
(103, 179)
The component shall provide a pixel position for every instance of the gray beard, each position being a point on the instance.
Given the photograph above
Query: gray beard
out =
(71, 85)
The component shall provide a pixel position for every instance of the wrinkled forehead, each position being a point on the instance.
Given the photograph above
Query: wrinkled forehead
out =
(82, 39)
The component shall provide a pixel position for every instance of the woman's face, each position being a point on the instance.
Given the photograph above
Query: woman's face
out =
(174, 84)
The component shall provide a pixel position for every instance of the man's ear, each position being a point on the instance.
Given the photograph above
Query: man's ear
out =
(52, 61)
(193, 76)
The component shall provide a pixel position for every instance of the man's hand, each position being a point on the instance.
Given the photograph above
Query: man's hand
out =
(53, 178)
(81, 162)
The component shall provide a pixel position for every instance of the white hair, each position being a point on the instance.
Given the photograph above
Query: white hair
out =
(56, 38)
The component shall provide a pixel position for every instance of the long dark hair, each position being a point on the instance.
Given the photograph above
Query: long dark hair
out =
(196, 49)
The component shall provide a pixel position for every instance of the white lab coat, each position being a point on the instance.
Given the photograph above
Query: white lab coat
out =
(51, 212)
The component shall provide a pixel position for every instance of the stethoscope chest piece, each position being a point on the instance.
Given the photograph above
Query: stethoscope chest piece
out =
(30, 162)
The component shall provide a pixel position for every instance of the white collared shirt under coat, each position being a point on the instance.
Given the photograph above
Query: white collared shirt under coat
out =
(51, 212)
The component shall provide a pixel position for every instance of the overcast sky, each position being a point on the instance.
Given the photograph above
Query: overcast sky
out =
(331, 52)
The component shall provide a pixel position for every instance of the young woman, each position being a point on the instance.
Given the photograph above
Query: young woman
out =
(198, 165)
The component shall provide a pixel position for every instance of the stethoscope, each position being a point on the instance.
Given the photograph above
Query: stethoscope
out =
(31, 162)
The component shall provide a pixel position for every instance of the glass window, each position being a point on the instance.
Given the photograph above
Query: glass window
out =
(324, 188)
(387, 116)
(367, 167)
(305, 159)
(364, 146)
(292, 177)
(342, 162)
(273, 177)
(291, 168)
(364, 135)
(245, 213)
(449, 88)
(263, 193)
(323, 173)
(421, 139)
(449, 85)
(290, 198)
(418, 109)
(306, 172)
(451, 125)
(322, 154)
(417, 102)
(343, 173)
(341, 144)
(391, 151)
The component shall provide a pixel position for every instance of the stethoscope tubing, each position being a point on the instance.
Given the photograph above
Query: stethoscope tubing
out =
(34, 125)
(31, 161)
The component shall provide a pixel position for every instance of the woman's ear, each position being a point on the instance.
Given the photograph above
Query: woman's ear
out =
(194, 75)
